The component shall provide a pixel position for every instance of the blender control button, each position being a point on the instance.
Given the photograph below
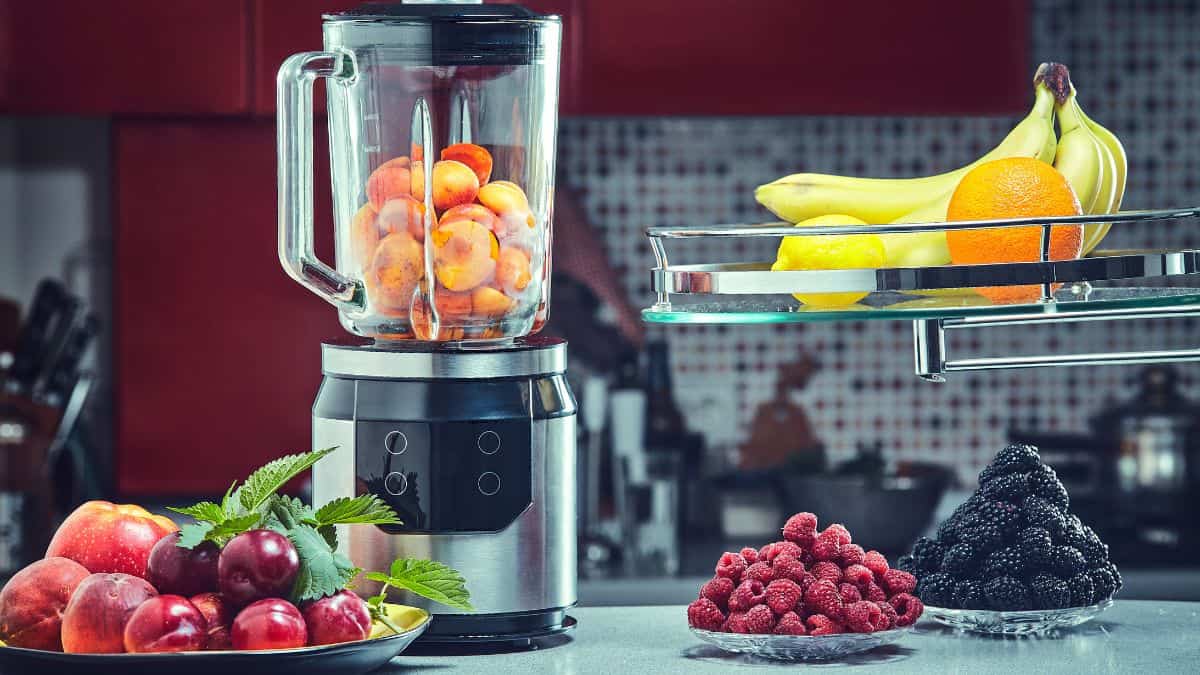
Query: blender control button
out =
(395, 442)
(488, 483)
(488, 442)
(395, 483)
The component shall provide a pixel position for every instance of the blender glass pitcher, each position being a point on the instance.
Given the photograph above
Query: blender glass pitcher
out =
(442, 126)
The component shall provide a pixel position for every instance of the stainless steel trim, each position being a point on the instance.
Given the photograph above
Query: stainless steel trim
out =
(522, 358)
(756, 278)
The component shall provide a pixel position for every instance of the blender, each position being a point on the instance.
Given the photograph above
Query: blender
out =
(444, 403)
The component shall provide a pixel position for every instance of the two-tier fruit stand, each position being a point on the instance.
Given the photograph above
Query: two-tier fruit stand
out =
(1091, 289)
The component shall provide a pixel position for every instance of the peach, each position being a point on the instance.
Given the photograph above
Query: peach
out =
(508, 200)
(168, 623)
(480, 214)
(398, 266)
(465, 254)
(364, 235)
(403, 214)
(489, 302)
(454, 183)
(94, 622)
(107, 537)
(512, 269)
(418, 181)
(474, 156)
(388, 180)
(217, 617)
(33, 600)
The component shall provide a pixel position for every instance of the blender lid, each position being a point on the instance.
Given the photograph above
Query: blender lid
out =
(448, 33)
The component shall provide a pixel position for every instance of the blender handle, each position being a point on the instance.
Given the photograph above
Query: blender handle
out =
(294, 117)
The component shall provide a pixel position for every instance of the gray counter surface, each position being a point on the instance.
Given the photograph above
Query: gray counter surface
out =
(1132, 637)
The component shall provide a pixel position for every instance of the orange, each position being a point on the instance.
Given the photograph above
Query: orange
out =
(1015, 187)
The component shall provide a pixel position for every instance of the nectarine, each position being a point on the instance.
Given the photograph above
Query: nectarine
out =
(33, 600)
(454, 183)
(388, 180)
(465, 254)
(95, 618)
(474, 156)
(398, 267)
(107, 537)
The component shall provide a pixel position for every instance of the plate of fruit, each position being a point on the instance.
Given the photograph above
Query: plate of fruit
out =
(814, 595)
(1013, 559)
(256, 580)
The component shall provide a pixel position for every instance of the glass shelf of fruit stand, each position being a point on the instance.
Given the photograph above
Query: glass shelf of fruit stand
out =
(940, 298)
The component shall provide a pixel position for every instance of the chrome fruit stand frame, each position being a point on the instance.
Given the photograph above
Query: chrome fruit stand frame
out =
(749, 292)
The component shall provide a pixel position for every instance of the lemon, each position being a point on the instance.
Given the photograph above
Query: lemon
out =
(829, 252)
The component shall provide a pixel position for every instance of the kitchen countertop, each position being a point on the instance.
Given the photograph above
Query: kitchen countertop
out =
(1133, 636)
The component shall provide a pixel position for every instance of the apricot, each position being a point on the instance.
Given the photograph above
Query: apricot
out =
(489, 302)
(465, 254)
(364, 235)
(454, 183)
(476, 212)
(452, 307)
(95, 618)
(395, 271)
(512, 269)
(474, 156)
(417, 152)
(33, 600)
(403, 214)
(388, 180)
(508, 200)
(418, 181)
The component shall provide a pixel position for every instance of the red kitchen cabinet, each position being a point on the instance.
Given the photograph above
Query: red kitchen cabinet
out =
(124, 57)
(216, 350)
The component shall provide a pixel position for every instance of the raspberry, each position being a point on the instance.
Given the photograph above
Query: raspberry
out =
(827, 571)
(858, 575)
(1006, 593)
(819, 624)
(1082, 589)
(705, 615)
(801, 529)
(968, 594)
(758, 620)
(889, 615)
(875, 562)
(851, 554)
(1048, 592)
(750, 555)
(874, 593)
(863, 617)
(842, 533)
(908, 609)
(899, 581)
(827, 546)
(770, 552)
(787, 567)
(760, 571)
(790, 624)
(736, 623)
(937, 589)
(822, 597)
(782, 595)
(807, 579)
(849, 593)
(718, 590)
(959, 560)
(731, 566)
(748, 594)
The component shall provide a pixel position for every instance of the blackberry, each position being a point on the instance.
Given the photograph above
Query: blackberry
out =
(1035, 544)
(988, 474)
(1037, 512)
(982, 536)
(959, 560)
(1082, 589)
(1094, 551)
(1044, 483)
(967, 509)
(1066, 562)
(1002, 514)
(937, 589)
(1049, 592)
(1017, 457)
(968, 594)
(906, 563)
(1010, 487)
(947, 532)
(1116, 575)
(1006, 594)
(927, 555)
(1072, 534)
(1103, 583)
(1005, 562)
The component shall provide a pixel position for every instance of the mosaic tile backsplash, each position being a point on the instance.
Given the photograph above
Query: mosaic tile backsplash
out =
(1137, 67)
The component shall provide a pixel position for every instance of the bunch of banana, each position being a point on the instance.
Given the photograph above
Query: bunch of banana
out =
(802, 196)
(1090, 157)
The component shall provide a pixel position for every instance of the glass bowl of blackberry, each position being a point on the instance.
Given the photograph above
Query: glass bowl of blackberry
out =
(1013, 558)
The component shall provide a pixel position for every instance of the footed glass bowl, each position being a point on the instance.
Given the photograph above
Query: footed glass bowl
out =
(800, 647)
(1028, 622)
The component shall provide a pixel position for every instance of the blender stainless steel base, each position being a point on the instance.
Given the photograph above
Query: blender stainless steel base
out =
(475, 449)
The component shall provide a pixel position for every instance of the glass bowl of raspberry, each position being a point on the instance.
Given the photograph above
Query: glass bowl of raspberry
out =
(801, 647)
(1024, 622)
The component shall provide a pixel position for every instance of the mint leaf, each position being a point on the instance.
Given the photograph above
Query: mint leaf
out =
(330, 535)
(266, 481)
(363, 509)
(207, 512)
(429, 579)
(222, 532)
(228, 504)
(192, 534)
(323, 571)
(283, 513)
